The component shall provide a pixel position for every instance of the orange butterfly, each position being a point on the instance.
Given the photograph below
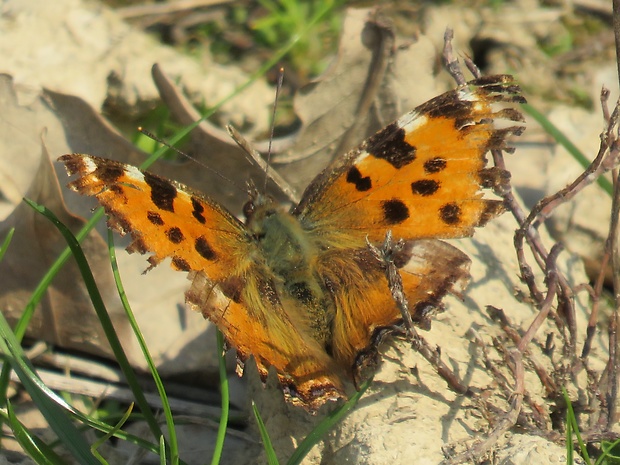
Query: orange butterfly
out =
(300, 290)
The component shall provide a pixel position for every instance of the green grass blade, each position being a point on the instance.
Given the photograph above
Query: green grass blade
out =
(224, 392)
(103, 316)
(610, 455)
(36, 449)
(174, 447)
(6, 243)
(268, 446)
(51, 396)
(162, 451)
(565, 142)
(55, 416)
(39, 292)
(571, 424)
(569, 440)
(327, 424)
(110, 433)
(4, 376)
(87, 421)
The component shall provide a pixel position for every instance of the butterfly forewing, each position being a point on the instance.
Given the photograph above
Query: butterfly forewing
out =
(419, 177)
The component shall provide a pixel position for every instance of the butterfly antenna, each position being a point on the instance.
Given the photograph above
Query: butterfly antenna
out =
(189, 157)
(273, 125)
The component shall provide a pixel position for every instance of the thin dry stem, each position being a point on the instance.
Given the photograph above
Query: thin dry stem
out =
(614, 359)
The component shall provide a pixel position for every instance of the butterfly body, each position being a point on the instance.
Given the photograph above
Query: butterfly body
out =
(299, 290)
(289, 252)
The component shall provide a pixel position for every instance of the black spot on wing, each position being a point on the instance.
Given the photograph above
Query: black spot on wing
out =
(204, 249)
(448, 106)
(198, 210)
(163, 192)
(118, 190)
(425, 187)
(155, 218)
(180, 264)
(395, 211)
(175, 235)
(354, 176)
(109, 173)
(435, 165)
(389, 144)
(450, 213)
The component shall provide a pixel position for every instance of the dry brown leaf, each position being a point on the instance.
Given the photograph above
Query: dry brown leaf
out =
(372, 82)
(65, 316)
(226, 167)
(342, 107)
(26, 171)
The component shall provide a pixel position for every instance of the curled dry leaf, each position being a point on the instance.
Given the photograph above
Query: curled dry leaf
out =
(64, 317)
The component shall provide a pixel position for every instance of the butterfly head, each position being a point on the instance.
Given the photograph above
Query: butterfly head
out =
(258, 209)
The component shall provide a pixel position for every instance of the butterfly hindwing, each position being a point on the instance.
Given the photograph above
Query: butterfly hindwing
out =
(363, 302)
(256, 323)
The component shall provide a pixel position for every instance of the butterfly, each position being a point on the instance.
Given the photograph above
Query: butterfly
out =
(299, 289)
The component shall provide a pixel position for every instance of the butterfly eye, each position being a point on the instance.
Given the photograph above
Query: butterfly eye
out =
(248, 209)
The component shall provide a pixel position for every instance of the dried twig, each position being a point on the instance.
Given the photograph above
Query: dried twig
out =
(546, 380)
(530, 234)
(608, 143)
(98, 389)
(506, 420)
(614, 357)
(450, 62)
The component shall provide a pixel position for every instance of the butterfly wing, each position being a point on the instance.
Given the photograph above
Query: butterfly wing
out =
(419, 177)
(163, 217)
(231, 285)
(365, 307)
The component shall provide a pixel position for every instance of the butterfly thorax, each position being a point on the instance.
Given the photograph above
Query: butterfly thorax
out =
(289, 253)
